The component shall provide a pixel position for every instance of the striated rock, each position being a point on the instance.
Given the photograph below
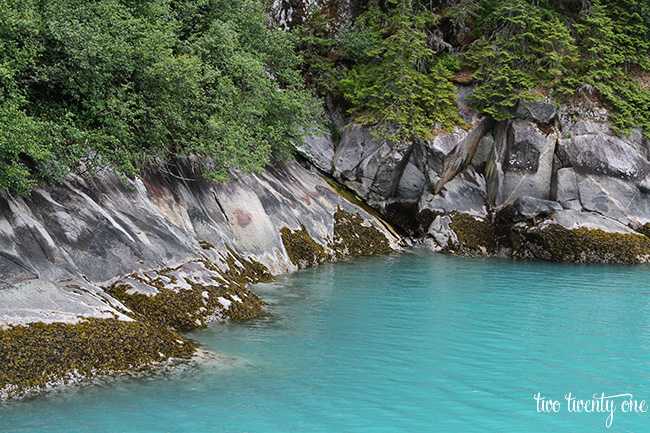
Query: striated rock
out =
(169, 252)
(69, 301)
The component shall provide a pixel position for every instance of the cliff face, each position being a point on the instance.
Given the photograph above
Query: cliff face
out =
(96, 275)
(552, 183)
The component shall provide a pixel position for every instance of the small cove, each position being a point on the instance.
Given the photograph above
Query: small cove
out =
(413, 341)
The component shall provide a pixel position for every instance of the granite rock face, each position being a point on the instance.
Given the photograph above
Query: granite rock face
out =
(504, 176)
(170, 250)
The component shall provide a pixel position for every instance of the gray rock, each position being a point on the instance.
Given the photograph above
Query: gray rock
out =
(465, 193)
(40, 300)
(583, 118)
(483, 152)
(441, 233)
(572, 205)
(527, 163)
(389, 172)
(644, 185)
(602, 154)
(463, 152)
(567, 186)
(411, 184)
(615, 198)
(574, 220)
(586, 126)
(536, 111)
(366, 172)
(319, 149)
(60, 244)
(532, 207)
(357, 143)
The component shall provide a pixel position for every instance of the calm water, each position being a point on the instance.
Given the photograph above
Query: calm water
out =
(414, 342)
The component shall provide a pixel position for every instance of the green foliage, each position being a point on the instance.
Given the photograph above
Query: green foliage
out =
(319, 48)
(523, 51)
(612, 41)
(120, 83)
(402, 88)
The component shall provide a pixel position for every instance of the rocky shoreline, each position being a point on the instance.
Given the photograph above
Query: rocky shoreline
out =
(552, 183)
(98, 276)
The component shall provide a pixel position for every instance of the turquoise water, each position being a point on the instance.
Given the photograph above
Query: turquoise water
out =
(413, 342)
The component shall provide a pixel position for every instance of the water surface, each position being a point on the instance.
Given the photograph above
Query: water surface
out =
(412, 342)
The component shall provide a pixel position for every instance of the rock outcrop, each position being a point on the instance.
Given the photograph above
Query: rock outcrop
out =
(118, 267)
(524, 187)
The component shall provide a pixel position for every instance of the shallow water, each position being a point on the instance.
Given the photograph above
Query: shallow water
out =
(413, 342)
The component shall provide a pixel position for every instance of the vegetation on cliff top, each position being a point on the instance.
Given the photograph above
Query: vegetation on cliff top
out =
(395, 63)
(122, 84)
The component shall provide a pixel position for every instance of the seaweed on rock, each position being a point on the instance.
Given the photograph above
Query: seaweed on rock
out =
(41, 354)
(302, 249)
(475, 235)
(353, 238)
(582, 245)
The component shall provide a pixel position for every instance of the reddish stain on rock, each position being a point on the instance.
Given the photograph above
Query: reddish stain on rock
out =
(243, 218)
(155, 190)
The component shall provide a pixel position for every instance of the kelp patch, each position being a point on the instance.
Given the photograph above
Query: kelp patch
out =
(353, 236)
(302, 249)
(188, 309)
(38, 355)
(475, 235)
(194, 294)
(582, 245)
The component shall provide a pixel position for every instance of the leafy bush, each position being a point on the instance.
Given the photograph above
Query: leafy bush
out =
(120, 83)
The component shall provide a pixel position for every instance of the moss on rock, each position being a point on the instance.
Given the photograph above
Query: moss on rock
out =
(35, 356)
(475, 236)
(583, 245)
(302, 249)
(353, 238)
(189, 308)
(242, 272)
(644, 230)
(184, 310)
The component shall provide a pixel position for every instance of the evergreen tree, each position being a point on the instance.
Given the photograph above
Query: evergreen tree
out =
(402, 89)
